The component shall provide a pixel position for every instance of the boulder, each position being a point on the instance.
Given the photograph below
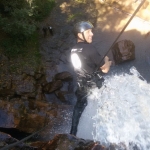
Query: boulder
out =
(65, 76)
(123, 51)
(66, 97)
(52, 86)
(22, 85)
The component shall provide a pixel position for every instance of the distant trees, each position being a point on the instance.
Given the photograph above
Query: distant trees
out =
(18, 21)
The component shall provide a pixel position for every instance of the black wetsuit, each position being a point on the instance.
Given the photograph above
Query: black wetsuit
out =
(88, 55)
(90, 60)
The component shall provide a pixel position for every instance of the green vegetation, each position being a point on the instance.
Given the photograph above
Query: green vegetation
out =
(73, 16)
(41, 9)
(18, 27)
(29, 58)
(80, 1)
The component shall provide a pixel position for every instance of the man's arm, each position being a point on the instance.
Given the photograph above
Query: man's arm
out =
(105, 68)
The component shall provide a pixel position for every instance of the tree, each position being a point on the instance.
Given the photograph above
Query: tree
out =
(18, 20)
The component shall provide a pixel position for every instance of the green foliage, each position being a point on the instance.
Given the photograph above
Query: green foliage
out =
(73, 16)
(30, 56)
(80, 1)
(19, 25)
(19, 19)
(42, 9)
(12, 47)
(9, 6)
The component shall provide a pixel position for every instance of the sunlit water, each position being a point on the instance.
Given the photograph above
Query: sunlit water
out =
(119, 112)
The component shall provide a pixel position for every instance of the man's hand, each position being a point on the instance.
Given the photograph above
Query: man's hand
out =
(105, 68)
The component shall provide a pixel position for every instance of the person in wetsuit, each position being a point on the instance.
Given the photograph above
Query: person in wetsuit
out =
(85, 59)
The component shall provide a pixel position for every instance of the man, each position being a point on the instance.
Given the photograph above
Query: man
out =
(85, 60)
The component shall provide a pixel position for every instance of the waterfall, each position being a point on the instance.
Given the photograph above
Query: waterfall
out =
(119, 112)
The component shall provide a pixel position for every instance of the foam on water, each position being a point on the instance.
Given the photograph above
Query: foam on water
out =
(119, 112)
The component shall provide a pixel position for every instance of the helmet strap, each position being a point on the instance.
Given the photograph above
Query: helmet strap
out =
(84, 37)
(80, 39)
(83, 40)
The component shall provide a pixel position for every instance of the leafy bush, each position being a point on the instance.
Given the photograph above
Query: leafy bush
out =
(42, 9)
(19, 19)
(19, 25)
(9, 6)
(12, 47)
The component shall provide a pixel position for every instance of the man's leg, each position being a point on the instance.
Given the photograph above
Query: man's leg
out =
(78, 109)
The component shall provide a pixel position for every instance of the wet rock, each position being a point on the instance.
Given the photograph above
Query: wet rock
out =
(6, 115)
(6, 140)
(24, 85)
(7, 93)
(65, 76)
(61, 141)
(5, 82)
(29, 71)
(50, 71)
(38, 76)
(29, 116)
(120, 146)
(31, 122)
(32, 71)
(61, 95)
(99, 147)
(5, 85)
(66, 97)
(71, 142)
(123, 51)
(40, 96)
(60, 118)
(68, 142)
(52, 86)
(52, 98)
(42, 81)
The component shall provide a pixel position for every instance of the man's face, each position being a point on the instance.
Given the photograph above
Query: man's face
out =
(88, 34)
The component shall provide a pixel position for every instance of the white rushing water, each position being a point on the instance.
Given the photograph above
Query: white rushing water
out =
(119, 112)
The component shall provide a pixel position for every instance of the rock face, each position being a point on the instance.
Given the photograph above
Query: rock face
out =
(29, 101)
(24, 86)
(28, 113)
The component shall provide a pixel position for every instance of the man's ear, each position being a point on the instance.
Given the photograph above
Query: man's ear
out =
(80, 35)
